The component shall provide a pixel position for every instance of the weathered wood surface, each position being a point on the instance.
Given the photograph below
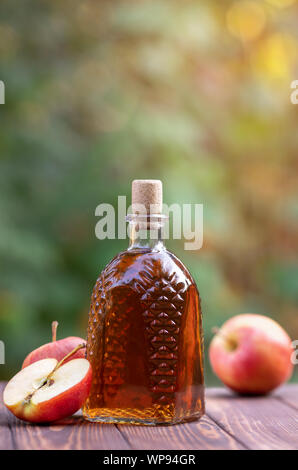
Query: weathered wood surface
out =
(258, 423)
(231, 422)
(6, 440)
(203, 434)
(289, 395)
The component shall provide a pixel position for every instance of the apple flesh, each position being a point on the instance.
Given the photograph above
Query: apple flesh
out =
(56, 349)
(251, 354)
(41, 394)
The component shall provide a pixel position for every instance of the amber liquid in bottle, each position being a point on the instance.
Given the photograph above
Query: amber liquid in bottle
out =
(145, 339)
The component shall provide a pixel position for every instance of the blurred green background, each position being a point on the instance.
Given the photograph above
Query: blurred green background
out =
(101, 92)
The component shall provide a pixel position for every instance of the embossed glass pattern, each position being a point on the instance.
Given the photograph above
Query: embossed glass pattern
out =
(145, 340)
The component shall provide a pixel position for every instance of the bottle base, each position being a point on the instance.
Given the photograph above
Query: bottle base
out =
(144, 421)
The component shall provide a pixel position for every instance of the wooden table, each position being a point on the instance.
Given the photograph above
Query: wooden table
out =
(231, 422)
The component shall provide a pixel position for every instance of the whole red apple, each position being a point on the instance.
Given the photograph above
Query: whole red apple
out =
(251, 354)
(55, 349)
(47, 391)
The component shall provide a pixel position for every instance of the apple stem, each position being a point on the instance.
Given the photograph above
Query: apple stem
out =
(232, 343)
(54, 330)
(80, 346)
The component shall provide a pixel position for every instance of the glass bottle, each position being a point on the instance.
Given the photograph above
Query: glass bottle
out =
(145, 341)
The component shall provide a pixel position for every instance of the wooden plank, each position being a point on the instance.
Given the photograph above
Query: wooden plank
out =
(288, 394)
(232, 422)
(71, 433)
(6, 437)
(203, 434)
(258, 422)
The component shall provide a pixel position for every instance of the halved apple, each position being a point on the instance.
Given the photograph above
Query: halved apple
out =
(45, 392)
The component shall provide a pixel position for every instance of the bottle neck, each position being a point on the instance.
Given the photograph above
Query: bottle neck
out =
(146, 232)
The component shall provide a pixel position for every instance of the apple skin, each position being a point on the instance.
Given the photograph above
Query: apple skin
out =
(59, 407)
(57, 350)
(260, 358)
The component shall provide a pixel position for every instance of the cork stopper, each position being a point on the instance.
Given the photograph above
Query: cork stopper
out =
(147, 196)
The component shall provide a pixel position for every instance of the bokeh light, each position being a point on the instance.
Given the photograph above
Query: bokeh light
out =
(246, 19)
(276, 56)
(281, 3)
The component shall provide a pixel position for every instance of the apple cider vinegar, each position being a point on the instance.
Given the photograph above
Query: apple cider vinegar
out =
(145, 341)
